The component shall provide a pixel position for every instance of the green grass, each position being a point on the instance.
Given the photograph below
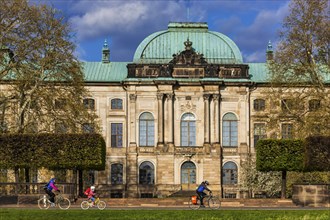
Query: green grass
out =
(35, 214)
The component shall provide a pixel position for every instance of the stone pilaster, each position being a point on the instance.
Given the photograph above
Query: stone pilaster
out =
(132, 122)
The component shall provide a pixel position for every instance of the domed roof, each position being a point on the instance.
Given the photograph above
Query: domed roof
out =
(159, 47)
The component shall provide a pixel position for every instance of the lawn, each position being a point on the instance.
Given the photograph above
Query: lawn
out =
(36, 214)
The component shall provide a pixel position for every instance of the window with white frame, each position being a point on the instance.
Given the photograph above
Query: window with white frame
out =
(229, 130)
(229, 173)
(259, 132)
(116, 135)
(188, 130)
(116, 104)
(146, 129)
(146, 173)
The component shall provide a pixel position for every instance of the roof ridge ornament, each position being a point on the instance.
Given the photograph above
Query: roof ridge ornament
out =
(188, 44)
(188, 56)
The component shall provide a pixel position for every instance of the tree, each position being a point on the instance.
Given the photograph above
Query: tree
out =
(280, 155)
(257, 181)
(300, 71)
(41, 79)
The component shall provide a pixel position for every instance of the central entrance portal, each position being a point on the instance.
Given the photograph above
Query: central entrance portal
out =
(188, 176)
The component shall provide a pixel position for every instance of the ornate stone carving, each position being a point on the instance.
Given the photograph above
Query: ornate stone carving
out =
(206, 97)
(132, 97)
(189, 56)
(160, 96)
(215, 97)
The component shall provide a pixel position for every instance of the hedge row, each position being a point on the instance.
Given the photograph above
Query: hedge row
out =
(317, 153)
(280, 155)
(54, 151)
(312, 154)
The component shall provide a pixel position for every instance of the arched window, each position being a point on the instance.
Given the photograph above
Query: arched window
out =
(116, 104)
(188, 175)
(146, 130)
(146, 173)
(229, 173)
(229, 130)
(188, 130)
(116, 173)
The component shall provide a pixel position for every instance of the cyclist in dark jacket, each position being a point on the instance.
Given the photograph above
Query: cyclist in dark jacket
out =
(200, 191)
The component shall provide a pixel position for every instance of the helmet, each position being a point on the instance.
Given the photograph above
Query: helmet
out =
(206, 182)
(93, 188)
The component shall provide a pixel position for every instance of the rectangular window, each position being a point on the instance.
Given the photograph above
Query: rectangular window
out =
(259, 132)
(314, 105)
(259, 105)
(116, 135)
(60, 128)
(116, 104)
(88, 128)
(60, 104)
(89, 104)
(287, 132)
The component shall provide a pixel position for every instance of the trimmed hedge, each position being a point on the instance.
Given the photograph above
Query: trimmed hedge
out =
(280, 155)
(317, 153)
(54, 151)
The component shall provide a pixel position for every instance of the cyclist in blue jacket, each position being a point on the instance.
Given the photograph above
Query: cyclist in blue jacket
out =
(200, 191)
(50, 187)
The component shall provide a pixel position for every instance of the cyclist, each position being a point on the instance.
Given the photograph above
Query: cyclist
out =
(200, 191)
(50, 187)
(90, 193)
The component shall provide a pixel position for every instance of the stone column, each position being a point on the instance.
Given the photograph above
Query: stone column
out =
(132, 123)
(169, 127)
(160, 118)
(131, 157)
(206, 98)
(216, 123)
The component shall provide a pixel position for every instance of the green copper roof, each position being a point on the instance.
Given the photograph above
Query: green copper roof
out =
(259, 72)
(105, 72)
(160, 46)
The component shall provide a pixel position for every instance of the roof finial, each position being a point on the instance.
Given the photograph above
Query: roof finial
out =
(105, 45)
(269, 47)
(105, 52)
(188, 44)
(269, 52)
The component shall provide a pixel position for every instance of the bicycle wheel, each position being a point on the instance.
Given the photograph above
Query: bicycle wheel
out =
(64, 203)
(194, 206)
(43, 203)
(84, 205)
(214, 202)
(101, 205)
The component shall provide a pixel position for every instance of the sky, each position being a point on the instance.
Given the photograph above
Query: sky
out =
(251, 24)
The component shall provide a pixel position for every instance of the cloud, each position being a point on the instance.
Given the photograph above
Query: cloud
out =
(250, 24)
(255, 37)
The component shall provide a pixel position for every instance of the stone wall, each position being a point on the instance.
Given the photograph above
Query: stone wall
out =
(311, 195)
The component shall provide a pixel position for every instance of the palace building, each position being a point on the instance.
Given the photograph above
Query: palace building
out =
(180, 113)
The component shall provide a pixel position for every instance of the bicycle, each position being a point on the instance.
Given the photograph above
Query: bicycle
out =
(212, 201)
(88, 203)
(62, 202)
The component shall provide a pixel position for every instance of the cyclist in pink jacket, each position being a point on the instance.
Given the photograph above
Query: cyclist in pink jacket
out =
(90, 193)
